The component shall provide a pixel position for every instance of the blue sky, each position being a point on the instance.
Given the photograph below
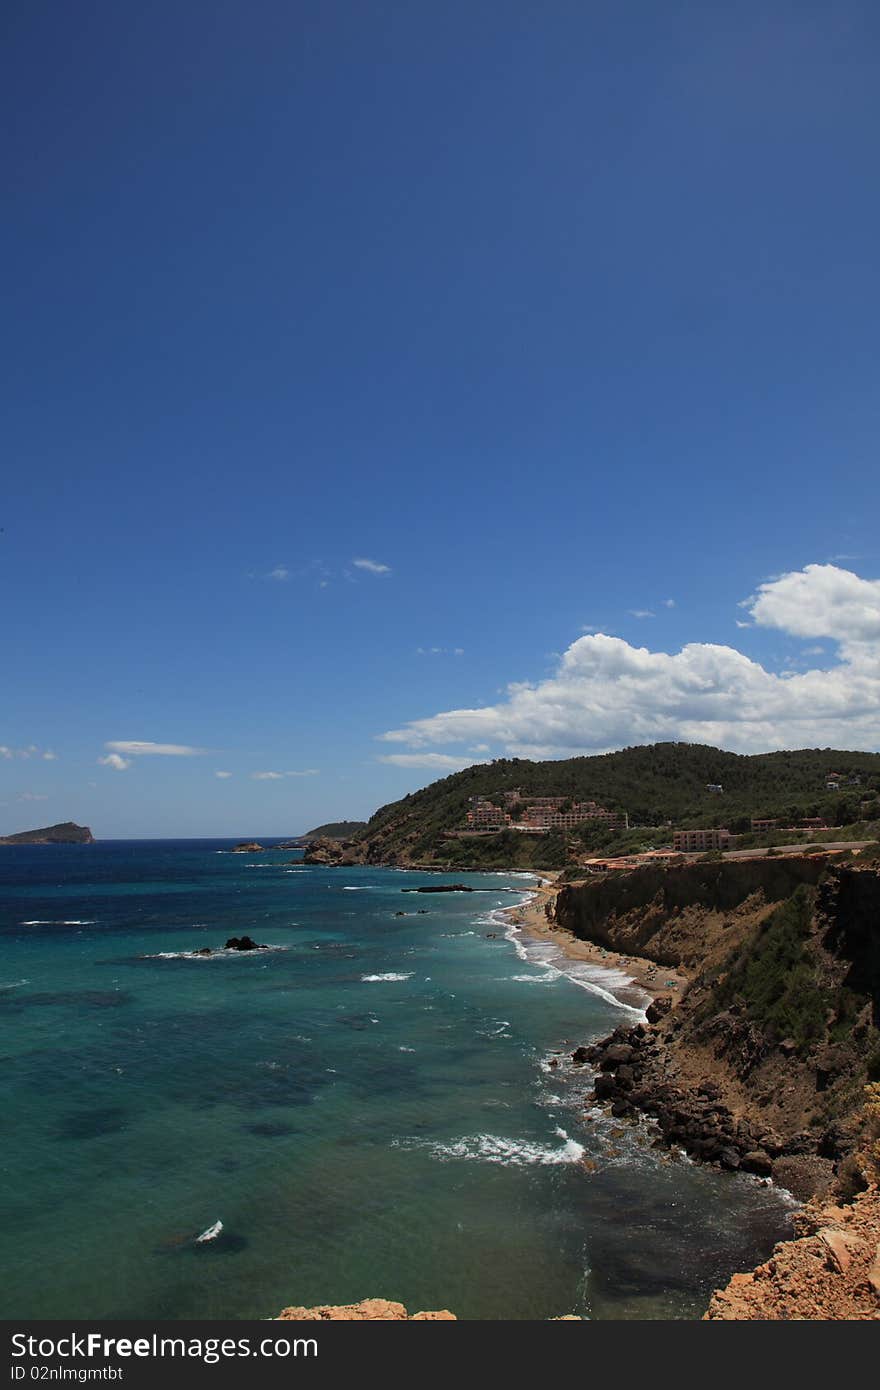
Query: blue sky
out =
(552, 313)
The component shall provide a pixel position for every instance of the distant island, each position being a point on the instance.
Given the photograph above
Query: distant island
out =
(67, 833)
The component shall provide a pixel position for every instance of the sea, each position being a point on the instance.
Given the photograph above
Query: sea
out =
(368, 1108)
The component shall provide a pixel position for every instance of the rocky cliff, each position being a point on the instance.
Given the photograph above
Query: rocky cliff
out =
(690, 914)
(762, 1063)
(831, 1271)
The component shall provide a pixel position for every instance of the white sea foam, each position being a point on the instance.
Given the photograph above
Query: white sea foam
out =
(14, 984)
(217, 953)
(493, 1148)
(389, 976)
(554, 964)
(60, 922)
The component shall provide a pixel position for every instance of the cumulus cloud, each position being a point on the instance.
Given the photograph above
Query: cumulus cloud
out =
(438, 762)
(165, 750)
(371, 566)
(115, 761)
(823, 601)
(606, 693)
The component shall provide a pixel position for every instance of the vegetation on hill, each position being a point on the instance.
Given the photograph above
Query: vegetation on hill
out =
(335, 830)
(658, 785)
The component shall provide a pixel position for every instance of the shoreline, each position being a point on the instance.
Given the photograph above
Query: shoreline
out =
(646, 976)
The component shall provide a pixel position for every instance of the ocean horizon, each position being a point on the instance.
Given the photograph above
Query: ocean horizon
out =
(380, 1105)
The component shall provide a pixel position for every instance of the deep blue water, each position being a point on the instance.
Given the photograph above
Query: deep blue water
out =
(367, 1109)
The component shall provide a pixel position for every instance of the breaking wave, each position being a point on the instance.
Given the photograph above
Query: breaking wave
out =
(494, 1148)
(390, 975)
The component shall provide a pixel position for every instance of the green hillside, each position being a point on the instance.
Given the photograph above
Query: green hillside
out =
(656, 785)
(335, 830)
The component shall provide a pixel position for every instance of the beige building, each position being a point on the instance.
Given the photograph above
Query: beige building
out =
(696, 841)
(484, 815)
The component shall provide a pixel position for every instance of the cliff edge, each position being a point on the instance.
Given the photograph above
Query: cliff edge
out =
(831, 1271)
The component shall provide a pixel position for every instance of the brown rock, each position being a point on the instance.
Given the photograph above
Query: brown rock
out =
(835, 1242)
(757, 1161)
(658, 1008)
(368, 1310)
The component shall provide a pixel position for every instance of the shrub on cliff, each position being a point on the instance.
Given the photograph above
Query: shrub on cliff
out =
(776, 976)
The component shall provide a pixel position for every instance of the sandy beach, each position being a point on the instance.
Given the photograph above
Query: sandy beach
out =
(649, 977)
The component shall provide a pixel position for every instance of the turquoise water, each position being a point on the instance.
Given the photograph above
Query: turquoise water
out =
(368, 1109)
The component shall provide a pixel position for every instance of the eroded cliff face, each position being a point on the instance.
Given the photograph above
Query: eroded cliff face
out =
(685, 915)
(762, 1063)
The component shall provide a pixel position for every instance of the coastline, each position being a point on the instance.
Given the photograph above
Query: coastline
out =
(647, 977)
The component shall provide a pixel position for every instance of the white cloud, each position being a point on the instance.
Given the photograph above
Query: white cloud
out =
(822, 601)
(280, 573)
(222, 774)
(32, 751)
(439, 762)
(279, 776)
(641, 613)
(33, 796)
(439, 651)
(669, 603)
(164, 750)
(371, 566)
(114, 760)
(605, 693)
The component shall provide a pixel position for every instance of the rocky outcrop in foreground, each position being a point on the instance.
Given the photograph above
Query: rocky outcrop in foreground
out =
(832, 1271)
(368, 1310)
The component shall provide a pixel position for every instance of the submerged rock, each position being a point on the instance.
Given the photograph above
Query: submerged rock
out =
(441, 888)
